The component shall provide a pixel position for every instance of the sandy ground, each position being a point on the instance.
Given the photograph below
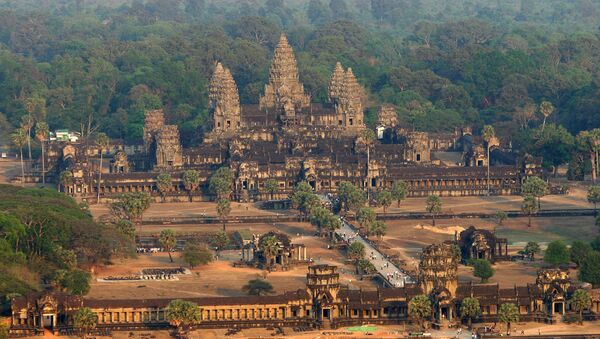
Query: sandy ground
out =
(209, 280)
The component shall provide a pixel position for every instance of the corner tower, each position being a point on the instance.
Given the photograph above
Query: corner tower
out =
(284, 92)
(224, 100)
(348, 96)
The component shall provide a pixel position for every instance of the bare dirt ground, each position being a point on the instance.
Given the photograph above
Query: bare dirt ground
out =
(8, 169)
(577, 198)
(209, 280)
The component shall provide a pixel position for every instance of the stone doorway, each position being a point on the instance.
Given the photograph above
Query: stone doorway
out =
(48, 321)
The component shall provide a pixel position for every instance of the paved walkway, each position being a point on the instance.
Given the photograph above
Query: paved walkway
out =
(388, 271)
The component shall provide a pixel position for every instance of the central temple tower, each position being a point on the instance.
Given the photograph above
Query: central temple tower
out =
(284, 92)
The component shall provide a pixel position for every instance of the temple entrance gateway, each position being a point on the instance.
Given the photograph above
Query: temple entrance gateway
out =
(48, 321)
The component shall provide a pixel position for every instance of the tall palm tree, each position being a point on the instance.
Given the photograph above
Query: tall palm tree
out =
(102, 142)
(27, 124)
(85, 320)
(191, 180)
(270, 247)
(41, 134)
(546, 108)
(19, 139)
(488, 134)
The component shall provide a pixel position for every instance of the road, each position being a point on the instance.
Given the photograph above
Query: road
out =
(388, 271)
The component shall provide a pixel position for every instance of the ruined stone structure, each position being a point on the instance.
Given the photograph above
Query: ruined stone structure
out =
(324, 303)
(482, 244)
(288, 139)
(287, 255)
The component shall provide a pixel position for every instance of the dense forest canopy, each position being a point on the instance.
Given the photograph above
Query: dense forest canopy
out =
(91, 64)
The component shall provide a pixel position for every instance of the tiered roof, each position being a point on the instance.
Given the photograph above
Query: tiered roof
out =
(284, 84)
(223, 92)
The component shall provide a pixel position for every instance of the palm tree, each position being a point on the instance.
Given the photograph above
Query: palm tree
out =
(191, 181)
(19, 138)
(419, 308)
(85, 320)
(546, 108)
(164, 184)
(27, 124)
(470, 309)
(183, 314)
(529, 207)
(488, 134)
(41, 134)
(508, 313)
(168, 241)
(580, 301)
(223, 210)
(102, 142)
(270, 247)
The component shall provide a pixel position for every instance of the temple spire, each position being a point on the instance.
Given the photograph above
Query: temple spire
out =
(284, 91)
(224, 99)
(336, 82)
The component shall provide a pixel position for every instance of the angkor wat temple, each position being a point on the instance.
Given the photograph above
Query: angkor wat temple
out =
(324, 303)
(287, 138)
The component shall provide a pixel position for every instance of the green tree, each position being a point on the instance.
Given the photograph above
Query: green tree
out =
(529, 207)
(220, 182)
(535, 187)
(272, 186)
(500, 216)
(593, 195)
(482, 269)
(220, 240)
(223, 210)
(378, 228)
(167, 240)
(399, 191)
(77, 282)
(183, 314)
(579, 250)
(41, 133)
(589, 271)
(366, 217)
(508, 313)
(581, 300)
(195, 254)
(356, 251)
(419, 308)
(303, 198)
(102, 142)
(470, 309)
(384, 199)
(85, 320)
(531, 249)
(19, 139)
(434, 207)
(488, 134)
(270, 247)
(351, 198)
(557, 253)
(164, 184)
(191, 181)
(131, 206)
(258, 287)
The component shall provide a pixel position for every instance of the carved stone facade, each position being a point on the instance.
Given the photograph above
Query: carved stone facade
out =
(224, 101)
(154, 120)
(168, 148)
(324, 303)
(482, 244)
(284, 93)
